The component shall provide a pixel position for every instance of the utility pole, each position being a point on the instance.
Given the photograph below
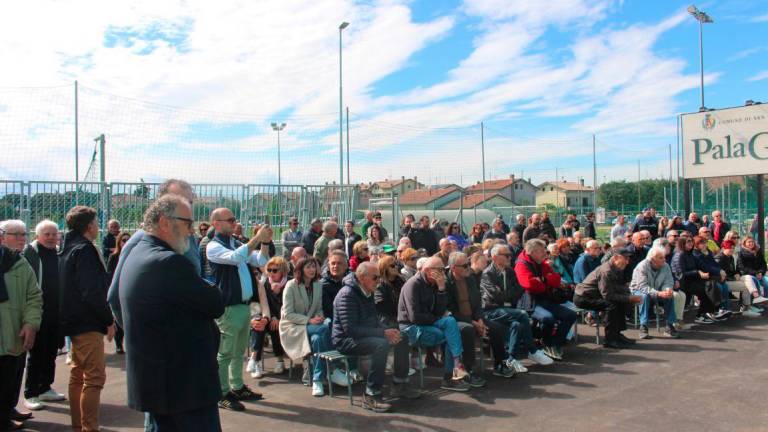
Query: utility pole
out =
(349, 179)
(594, 175)
(482, 153)
(639, 206)
(670, 174)
(77, 167)
(342, 26)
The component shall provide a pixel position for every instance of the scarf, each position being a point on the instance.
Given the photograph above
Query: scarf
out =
(263, 304)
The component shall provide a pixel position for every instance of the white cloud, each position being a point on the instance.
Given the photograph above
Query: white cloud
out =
(759, 76)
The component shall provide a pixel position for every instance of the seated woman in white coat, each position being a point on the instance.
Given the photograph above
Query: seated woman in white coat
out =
(303, 330)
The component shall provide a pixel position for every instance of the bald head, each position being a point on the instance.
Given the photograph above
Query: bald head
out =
(298, 253)
(223, 220)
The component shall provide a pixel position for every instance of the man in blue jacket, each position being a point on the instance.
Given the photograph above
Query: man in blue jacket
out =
(168, 312)
(588, 261)
(357, 331)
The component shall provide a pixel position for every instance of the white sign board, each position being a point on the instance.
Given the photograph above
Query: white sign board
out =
(726, 142)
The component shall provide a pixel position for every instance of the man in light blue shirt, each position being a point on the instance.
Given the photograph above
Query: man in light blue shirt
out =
(231, 263)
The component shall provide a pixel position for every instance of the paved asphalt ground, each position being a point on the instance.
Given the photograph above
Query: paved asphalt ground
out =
(714, 379)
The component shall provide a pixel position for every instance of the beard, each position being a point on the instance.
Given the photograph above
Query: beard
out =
(180, 242)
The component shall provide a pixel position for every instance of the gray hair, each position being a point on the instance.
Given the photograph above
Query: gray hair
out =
(13, 223)
(513, 234)
(164, 206)
(43, 224)
(661, 241)
(520, 215)
(534, 244)
(188, 193)
(496, 249)
(335, 244)
(593, 243)
(363, 269)
(329, 225)
(455, 256)
(420, 263)
(657, 251)
(552, 248)
(618, 242)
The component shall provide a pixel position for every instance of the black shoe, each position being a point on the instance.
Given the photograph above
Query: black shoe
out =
(375, 403)
(455, 385)
(245, 393)
(230, 402)
(432, 361)
(16, 415)
(615, 344)
(403, 390)
(476, 380)
(626, 340)
(502, 370)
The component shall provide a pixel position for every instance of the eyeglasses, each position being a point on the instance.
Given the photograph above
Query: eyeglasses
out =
(364, 249)
(273, 270)
(21, 234)
(230, 220)
(464, 266)
(187, 221)
(505, 255)
(374, 277)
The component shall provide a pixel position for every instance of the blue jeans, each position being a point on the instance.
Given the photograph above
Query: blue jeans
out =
(761, 284)
(518, 328)
(549, 313)
(725, 295)
(649, 301)
(443, 331)
(320, 340)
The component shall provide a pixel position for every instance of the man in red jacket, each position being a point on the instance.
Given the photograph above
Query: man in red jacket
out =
(538, 279)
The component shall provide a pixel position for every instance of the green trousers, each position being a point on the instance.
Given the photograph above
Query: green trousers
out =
(234, 326)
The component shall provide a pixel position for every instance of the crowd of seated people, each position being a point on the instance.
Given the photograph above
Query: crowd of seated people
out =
(431, 289)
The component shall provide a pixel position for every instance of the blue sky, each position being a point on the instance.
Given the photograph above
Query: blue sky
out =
(183, 88)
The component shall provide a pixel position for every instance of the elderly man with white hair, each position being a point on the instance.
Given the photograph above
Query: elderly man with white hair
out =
(652, 280)
(588, 261)
(41, 361)
(21, 310)
(321, 244)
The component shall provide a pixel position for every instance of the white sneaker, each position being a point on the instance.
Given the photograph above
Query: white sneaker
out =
(51, 396)
(33, 404)
(257, 371)
(411, 371)
(339, 378)
(541, 358)
(317, 389)
(68, 360)
(516, 366)
(279, 367)
(759, 300)
(749, 313)
(251, 366)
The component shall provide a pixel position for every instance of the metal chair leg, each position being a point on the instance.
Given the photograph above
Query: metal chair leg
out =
(349, 381)
(421, 370)
(328, 377)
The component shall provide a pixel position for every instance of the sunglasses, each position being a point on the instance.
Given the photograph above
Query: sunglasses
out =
(273, 270)
(464, 266)
(375, 277)
(230, 220)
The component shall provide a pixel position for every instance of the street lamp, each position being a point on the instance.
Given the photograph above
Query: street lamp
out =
(277, 128)
(342, 26)
(702, 18)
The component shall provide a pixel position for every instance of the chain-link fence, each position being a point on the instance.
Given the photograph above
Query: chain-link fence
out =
(252, 204)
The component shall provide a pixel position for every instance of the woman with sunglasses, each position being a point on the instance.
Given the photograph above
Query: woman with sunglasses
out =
(359, 254)
(267, 321)
(409, 258)
(388, 291)
(453, 233)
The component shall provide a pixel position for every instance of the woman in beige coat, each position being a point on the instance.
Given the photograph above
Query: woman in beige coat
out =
(303, 330)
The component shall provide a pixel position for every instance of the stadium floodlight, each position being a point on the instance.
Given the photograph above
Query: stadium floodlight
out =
(702, 18)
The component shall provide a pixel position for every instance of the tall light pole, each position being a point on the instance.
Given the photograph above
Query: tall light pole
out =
(342, 26)
(277, 128)
(702, 18)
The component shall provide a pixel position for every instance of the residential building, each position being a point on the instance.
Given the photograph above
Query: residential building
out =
(565, 194)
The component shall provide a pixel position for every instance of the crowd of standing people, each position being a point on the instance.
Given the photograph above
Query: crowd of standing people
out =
(186, 304)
